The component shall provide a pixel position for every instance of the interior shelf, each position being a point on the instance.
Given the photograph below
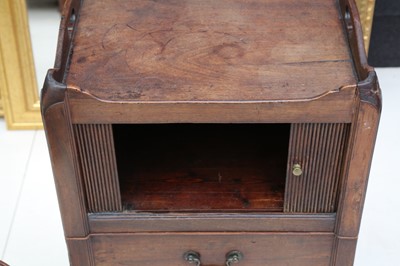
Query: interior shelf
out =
(202, 167)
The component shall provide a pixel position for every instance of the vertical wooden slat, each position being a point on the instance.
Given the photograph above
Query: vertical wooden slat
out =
(96, 142)
(319, 177)
(323, 169)
(95, 147)
(111, 158)
(85, 167)
(319, 148)
(336, 132)
(292, 150)
(344, 139)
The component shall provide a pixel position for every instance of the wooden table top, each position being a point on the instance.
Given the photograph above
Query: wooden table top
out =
(209, 50)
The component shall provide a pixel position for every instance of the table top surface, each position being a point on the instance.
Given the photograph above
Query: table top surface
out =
(210, 50)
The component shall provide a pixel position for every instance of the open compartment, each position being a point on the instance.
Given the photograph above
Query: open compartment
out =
(202, 167)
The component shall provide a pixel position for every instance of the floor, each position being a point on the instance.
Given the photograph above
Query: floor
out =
(30, 225)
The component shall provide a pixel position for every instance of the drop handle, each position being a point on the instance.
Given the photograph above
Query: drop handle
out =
(192, 257)
(233, 256)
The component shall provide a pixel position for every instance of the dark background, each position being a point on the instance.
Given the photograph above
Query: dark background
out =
(384, 49)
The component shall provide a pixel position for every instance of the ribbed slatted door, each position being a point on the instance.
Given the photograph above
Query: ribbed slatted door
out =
(95, 145)
(319, 149)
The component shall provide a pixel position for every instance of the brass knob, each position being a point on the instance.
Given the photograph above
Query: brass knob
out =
(233, 256)
(297, 170)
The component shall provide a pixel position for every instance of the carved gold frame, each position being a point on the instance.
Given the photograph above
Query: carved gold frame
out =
(18, 89)
(366, 11)
(19, 99)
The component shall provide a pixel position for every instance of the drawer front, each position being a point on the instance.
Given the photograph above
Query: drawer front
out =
(258, 249)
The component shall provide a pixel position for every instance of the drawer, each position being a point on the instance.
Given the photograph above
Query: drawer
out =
(258, 249)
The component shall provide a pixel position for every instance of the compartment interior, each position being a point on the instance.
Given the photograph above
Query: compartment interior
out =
(202, 167)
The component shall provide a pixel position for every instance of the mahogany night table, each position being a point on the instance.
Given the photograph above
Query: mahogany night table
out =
(212, 133)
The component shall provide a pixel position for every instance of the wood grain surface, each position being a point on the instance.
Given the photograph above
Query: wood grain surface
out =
(131, 222)
(259, 249)
(209, 50)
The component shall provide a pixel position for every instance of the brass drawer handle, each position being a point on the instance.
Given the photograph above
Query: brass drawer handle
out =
(192, 257)
(233, 256)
